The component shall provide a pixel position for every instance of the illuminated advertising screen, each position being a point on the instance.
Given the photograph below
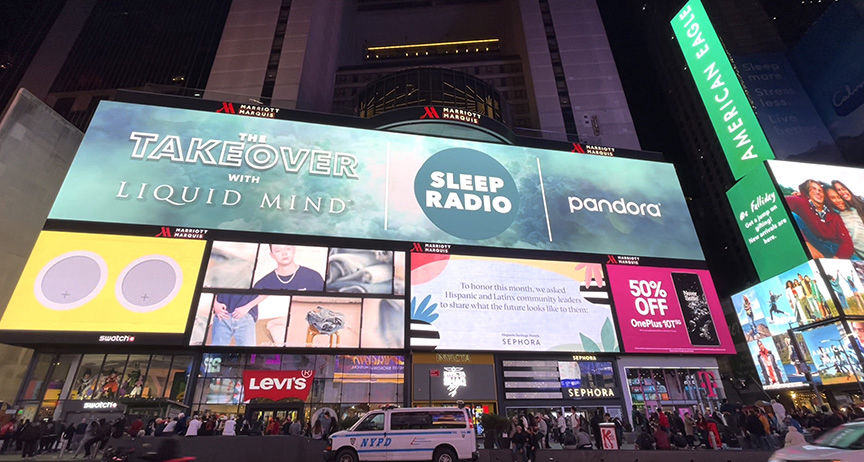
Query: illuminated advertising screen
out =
(844, 280)
(833, 354)
(90, 288)
(825, 205)
(463, 302)
(766, 227)
(174, 167)
(768, 310)
(567, 379)
(275, 295)
(667, 310)
(791, 299)
(737, 128)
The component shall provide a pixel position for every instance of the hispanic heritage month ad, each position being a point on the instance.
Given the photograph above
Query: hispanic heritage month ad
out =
(668, 310)
(480, 303)
(165, 166)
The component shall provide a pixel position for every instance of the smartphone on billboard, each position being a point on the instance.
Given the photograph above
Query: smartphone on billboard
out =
(694, 307)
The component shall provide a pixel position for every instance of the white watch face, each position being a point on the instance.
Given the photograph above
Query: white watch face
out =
(71, 280)
(149, 283)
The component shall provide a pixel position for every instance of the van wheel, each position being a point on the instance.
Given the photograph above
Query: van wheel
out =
(444, 455)
(346, 455)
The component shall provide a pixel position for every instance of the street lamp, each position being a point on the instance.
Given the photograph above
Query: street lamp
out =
(849, 360)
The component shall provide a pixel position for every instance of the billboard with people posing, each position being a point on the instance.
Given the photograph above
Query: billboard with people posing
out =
(826, 205)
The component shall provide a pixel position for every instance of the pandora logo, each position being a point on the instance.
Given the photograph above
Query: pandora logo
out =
(620, 206)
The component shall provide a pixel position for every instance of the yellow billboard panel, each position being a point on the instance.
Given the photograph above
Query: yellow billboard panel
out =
(78, 282)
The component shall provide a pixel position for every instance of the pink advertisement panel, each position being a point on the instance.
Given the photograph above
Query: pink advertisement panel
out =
(668, 310)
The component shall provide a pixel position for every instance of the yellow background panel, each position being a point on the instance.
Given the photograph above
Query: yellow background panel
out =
(104, 313)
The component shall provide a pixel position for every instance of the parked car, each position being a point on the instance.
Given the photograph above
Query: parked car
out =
(841, 444)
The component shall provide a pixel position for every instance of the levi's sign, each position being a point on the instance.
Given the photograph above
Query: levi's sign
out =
(734, 121)
(276, 385)
(202, 170)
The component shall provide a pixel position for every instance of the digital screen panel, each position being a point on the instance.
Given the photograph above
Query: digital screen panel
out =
(463, 302)
(833, 354)
(170, 167)
(285, 295)
(825, 204)
(91, 288)
(737, 128)
(793, 298)
(668, 310)
(845, 281)
(767, 229)
(767, 311)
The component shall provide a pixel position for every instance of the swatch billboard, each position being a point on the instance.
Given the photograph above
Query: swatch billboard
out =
(101, 288)
(666, 310)
(173, 167)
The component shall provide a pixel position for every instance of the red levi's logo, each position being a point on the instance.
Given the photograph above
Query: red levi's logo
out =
(277, 385)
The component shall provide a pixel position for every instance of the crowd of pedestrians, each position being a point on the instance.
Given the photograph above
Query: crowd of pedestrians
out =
(86, 439)
(768, 426)
(530, 432)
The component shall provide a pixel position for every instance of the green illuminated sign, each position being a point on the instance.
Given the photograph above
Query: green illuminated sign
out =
(765, 226)
(733, 119)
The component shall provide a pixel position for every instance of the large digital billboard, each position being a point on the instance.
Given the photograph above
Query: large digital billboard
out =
(741, 137)
(463, 302)
(833, 354)
(826, 206)
(766, 227)
(834, 79)
(283, 295)
(667, 310)
(79, 287)
(844, 280)
(794, 298)
(769, 310)
(174, 167)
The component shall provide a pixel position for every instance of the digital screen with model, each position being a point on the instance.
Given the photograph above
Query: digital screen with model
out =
(461, 302)
(174, 167)
(767, 311)
(668, 310)
(274, 294)
(79, 287)
(826, 206)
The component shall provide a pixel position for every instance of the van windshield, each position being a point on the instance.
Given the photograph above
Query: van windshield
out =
(372, 422)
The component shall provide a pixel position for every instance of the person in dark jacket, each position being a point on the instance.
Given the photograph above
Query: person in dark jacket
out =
(180, 428)
(30, 435)
(595, 427)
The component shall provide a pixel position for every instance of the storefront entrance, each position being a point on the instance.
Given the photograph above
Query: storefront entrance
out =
(264, 412)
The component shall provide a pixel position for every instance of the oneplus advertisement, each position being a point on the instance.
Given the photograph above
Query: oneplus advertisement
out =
(163, 166)
(666, 310)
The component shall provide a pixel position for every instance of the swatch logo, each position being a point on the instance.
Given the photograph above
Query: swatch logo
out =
(117, 338)
(467, 193)
(620, 206)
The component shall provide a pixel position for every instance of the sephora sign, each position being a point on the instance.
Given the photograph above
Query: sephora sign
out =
(276, 385)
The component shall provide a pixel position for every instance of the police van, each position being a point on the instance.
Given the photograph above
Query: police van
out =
(439, 434)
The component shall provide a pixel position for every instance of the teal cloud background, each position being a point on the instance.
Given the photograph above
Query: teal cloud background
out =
(381, 203)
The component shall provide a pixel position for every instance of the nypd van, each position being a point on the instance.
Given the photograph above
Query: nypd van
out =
(439, 434)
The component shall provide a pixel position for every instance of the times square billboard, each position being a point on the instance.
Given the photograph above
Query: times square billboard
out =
(245, 193)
